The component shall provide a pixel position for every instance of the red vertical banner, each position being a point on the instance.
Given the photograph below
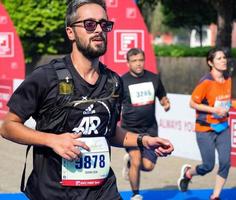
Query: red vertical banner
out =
(232, 120)
(6, 89)
(12, 63)
(129, 31)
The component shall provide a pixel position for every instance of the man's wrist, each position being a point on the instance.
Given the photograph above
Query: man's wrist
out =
(140, 140)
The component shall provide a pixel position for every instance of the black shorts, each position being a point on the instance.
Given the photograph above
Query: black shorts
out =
(146, 153)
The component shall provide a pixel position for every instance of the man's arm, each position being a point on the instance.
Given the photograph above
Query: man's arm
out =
(161, 146)
(161, 94)
(64, 145)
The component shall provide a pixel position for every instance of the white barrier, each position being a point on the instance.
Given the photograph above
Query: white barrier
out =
(178, 126)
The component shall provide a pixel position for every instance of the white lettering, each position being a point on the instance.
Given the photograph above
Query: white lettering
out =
(174, 124)
(177, 125)
(88, 125)
(189, 126)
(5, 96)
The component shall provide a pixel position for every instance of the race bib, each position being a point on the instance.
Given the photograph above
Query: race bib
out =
(142, 93)
(92, 168)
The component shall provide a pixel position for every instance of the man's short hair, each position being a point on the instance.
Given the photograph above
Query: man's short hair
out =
(73, 5)
(134, 51)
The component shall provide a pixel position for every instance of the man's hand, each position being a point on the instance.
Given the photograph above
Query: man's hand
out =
(67, 145)
(165, 103)
(161, 146)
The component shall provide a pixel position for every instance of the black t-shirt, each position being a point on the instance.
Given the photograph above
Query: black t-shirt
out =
(38, 96)
(138, 106)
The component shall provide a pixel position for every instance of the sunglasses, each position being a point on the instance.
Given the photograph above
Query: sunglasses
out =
(91, 25)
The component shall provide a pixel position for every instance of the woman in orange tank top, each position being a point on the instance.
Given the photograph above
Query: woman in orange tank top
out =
(211, 99)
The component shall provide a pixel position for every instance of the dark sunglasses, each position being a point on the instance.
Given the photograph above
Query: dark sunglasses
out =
(91, 25)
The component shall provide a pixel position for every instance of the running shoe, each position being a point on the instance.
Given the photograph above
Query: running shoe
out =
(126, 165)
(215, 198)
(137, 197)
(183, 180)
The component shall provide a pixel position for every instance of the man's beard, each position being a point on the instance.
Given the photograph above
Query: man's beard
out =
(88, 51)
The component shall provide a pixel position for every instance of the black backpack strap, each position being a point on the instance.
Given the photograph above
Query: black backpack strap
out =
(61, 70)
(63, 74)
(65, 80)
(22, 185)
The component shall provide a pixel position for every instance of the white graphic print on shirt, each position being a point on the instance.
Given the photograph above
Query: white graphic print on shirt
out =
(91, 121)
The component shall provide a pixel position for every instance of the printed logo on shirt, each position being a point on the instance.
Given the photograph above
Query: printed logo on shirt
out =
(89, 110)
(142, 94)
(94, 121)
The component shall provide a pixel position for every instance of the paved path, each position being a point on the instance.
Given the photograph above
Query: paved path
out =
(164, 176)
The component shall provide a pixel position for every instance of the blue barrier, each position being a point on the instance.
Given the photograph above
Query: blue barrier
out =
(227, 194)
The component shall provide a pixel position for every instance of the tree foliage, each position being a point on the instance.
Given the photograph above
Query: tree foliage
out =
(147, 8)
(226, 14)
(40, 25)
(188, 14)
(195, 14)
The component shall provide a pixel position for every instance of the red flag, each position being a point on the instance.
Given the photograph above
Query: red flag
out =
(12, 63)
(129, 31)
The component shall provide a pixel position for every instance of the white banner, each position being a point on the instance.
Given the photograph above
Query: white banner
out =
(178, 125)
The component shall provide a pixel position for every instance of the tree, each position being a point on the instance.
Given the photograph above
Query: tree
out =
(40, 25)
(188, 14)
(226, 13)
(185, 12)
(147, 8)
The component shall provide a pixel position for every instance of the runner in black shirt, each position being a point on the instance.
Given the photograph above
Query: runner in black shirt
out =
(141, 88)
(75, 102)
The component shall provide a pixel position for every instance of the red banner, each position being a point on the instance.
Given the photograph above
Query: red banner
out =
(232, 119)
(6, 89)
(129, 31)
(12, 63)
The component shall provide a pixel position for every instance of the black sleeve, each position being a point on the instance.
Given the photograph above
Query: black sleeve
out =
(160, 91)
(121, 93)
(26, 99)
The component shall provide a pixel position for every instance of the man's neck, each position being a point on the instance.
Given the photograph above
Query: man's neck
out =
(88, 69)
(136, 75)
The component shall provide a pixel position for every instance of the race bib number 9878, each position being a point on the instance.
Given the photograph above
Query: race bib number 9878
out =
(91, 162)
(92, 168)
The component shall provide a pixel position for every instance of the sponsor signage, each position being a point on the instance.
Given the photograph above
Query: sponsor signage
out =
(12, 63)
(5, 93)
(129, 31)
(232, 119)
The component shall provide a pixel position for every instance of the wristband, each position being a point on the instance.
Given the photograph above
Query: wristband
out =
(140, 140)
